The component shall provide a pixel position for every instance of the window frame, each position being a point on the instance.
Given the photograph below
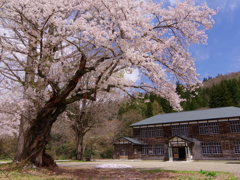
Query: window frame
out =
(151, 132)
(153, 150)
(237, 148)
(211, 148)
(235, 126)
(180, 130)
(208, 128)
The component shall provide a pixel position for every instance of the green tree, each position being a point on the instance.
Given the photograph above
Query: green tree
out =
(194, 104)
(220, 96)
(234, 88)
(149, 112)
(157, 108)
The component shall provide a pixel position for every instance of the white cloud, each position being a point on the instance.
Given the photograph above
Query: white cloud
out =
(134, 76)
(202, 55)
(172, 2)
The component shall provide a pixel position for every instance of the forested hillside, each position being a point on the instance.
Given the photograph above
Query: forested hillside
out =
(209, 81)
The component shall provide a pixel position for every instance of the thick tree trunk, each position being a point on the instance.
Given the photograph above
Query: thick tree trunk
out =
(32, 143)
(34, 138)
(79, 146)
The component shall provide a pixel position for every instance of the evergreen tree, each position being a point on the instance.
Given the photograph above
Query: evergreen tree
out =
(152, 97)
(194, 104)
(149, 112)
(234, 88)
(157, 108)
(226, 98)
(166, 106)
(220, 96)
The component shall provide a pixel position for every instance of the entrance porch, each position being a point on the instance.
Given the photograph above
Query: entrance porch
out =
(179, 149)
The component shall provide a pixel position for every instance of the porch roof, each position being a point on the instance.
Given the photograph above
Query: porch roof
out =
(134, 141)
(182, 137)
(123, 140)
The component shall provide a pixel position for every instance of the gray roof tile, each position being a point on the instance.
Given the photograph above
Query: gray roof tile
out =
(196, 115)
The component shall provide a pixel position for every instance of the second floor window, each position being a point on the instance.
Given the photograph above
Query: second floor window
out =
(181, 130)
(208, 128)
(152, 132)
(235, 126)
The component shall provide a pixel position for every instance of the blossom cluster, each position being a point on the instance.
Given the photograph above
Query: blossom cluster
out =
(43, 43)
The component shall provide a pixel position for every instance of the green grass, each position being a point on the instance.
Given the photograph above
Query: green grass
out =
(196, 175)
(172, 171)
(5, 160)
(208, 173)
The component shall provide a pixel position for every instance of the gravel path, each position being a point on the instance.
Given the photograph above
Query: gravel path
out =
(224, 166)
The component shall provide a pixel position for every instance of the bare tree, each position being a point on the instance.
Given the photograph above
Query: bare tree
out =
(86, 115)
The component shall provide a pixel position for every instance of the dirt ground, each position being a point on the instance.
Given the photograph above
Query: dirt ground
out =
(112, 174)
(82, 168)
(140, 170)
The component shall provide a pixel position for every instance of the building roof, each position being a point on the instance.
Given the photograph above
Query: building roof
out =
(196, 115)
(134, 141)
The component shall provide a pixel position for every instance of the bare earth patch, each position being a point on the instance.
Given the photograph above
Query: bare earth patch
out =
(118, 174)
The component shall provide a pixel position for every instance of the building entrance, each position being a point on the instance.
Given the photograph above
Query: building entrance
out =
(179, 149)
(179, 153)
(182, 153)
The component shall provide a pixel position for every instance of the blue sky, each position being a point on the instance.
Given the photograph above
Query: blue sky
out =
(222, 53)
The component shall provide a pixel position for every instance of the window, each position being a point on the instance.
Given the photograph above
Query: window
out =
(208, 128)
(159, 132)
(143, 132)
(135, 151)
(211, 148)
(144, 150)
(152, 132)
(160, 150)
(235, 126)
(153, 150)
(180, 130)
(123, 152)
(237, 148)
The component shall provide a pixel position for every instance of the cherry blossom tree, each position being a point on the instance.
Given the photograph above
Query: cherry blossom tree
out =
(49, 47)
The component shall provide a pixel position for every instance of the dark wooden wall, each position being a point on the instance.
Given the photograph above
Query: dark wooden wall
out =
(225, 137)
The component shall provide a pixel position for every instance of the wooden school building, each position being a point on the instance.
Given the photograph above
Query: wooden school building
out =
(209, 134)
